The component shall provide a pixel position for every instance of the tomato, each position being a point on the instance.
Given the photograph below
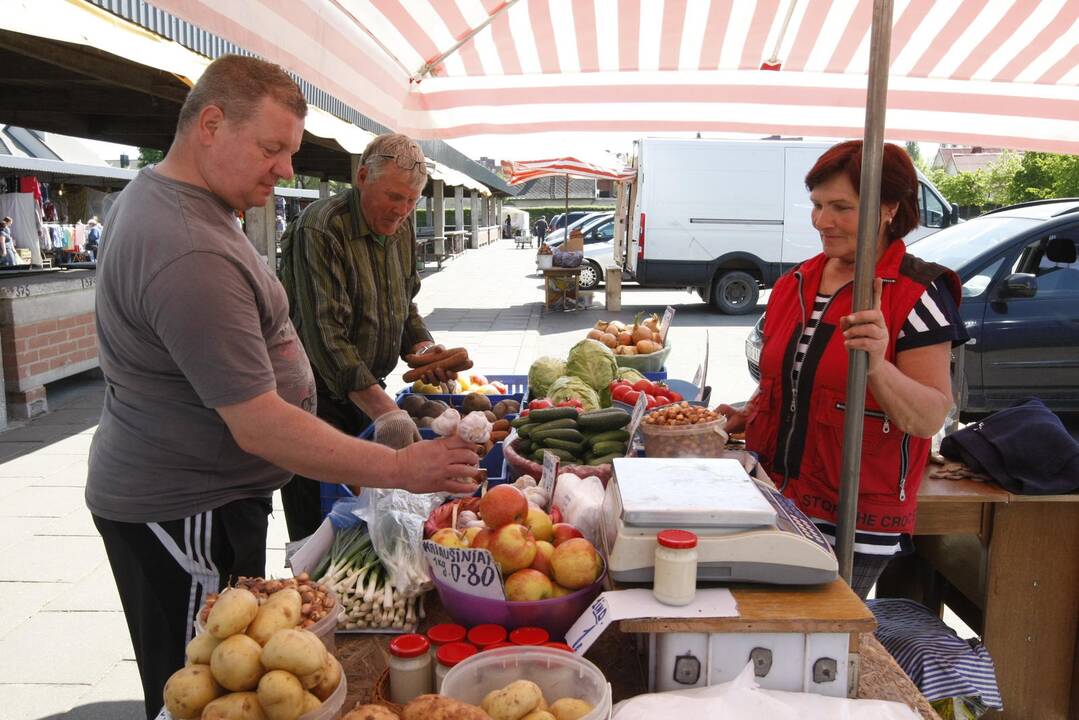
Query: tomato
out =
(674, 395)
(621, 392)
(644, 386)
(572, 402)
(540, 404)
(631, 397)
(653, 402)
(524, 413)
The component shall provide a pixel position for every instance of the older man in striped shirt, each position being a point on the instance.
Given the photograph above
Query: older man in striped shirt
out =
(349, 269)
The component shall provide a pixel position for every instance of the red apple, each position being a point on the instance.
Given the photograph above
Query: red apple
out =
(503, 505)
(448, 537)
(539, 523)
(471, 533)
(564, 532)
(556, 514)
(513, 548)
(576, 563)
(481, 540)
(559, 591)
(544, 550)
(528, 585)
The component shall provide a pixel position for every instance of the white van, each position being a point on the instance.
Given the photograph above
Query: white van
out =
(728, 217)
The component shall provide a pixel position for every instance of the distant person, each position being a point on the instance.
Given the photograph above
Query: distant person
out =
(541, 228)
(7, 252)
(507, 228)
(93, 238)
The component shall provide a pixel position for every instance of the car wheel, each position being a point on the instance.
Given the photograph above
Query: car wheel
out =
(590, 275)
(735, 293)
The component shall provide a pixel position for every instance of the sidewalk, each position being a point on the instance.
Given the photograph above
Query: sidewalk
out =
(64, 647)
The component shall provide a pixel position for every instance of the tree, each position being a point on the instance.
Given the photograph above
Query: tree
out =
(915, 152)
(150, 156)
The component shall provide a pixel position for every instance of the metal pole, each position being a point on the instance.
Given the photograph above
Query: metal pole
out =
(864, 270)
(565, 220)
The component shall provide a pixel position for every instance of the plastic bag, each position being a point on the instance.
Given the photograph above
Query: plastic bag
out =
(581, 500)
(395, 521)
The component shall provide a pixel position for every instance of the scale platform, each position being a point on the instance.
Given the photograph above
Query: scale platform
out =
(747, 531)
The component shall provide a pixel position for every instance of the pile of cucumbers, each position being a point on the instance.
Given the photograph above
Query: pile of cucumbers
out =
(594, 437)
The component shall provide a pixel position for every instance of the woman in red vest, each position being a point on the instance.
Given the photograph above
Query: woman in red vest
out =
(794, 420)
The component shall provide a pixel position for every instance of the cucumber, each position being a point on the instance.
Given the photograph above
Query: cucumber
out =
(577, 448)
(537, 455)
(563, 423)
(605, 459)
(525, 430)
(608, 448)
(575, 436)
(608, 436)
(603, 420)
(556, 413)
(524, 447)
(521, 420)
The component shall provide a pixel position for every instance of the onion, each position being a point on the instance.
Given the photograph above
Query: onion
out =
(640, 332)
(625, 338)
(609, 340)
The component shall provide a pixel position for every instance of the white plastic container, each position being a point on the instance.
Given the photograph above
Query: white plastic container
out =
(558, 673)
(410, 668)
(675, 581)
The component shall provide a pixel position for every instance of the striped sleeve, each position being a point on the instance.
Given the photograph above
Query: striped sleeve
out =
(935, 319)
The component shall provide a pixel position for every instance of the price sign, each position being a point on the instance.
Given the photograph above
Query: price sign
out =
(550, 473)
(635, 422)
(668, 318)
(470, 571)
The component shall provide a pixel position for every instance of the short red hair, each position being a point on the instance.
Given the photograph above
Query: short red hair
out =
(898, 180)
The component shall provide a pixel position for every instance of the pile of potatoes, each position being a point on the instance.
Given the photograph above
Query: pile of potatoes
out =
(253, 663)
(317, 601)
(520, 700)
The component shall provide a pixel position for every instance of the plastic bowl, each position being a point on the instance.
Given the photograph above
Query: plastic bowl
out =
(652, 362)
(704, 440)
(558, 673)
(556, 615)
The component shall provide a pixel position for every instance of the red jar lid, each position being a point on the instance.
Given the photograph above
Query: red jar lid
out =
(409, 646)
(558, 646)
(446, 633)
(529, 636)
(499, 645)
(677, 539)
(452, 653)
(484, 635)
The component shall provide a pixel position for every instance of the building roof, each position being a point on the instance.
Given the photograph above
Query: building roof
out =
(554, 188)
(974, 162)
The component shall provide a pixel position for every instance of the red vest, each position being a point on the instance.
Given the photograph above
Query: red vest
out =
(798, 431)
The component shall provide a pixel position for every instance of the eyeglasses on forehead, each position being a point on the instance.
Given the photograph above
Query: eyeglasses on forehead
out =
(405, 160)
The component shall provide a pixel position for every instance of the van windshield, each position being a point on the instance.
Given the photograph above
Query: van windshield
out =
(955, 246)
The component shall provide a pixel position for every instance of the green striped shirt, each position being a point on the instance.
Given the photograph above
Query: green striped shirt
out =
(350, 296)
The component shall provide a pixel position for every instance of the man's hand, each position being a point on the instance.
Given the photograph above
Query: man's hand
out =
(442, 465)
(436, 375)
(396, 430)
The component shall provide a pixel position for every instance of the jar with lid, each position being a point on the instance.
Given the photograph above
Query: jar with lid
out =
(443, 634)
(410, 668)
(529, 636)
(675, 580)
(449, 655)
(483, 636)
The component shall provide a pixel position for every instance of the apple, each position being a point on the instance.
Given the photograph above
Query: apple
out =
(448, 537)
(564, 532)
(512, 547)
(479, 379)
(481, 540)
(544, 550)
(559, 591)
(471, 533)
(556, 514)
(539, 523)
(528, 585)
(503, 505)
(576, 564)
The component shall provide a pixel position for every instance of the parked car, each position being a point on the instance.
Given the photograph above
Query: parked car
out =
(598, 249)
(555, 237)
(558, 220)
(1020, 304)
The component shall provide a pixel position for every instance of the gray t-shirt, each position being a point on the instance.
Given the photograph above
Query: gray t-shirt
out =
(189, 319)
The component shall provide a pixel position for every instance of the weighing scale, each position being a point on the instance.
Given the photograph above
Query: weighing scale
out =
(746, 530)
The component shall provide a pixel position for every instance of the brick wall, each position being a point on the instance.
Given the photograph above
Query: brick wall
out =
(49, 345)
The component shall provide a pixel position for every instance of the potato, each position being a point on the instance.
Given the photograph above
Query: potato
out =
(436, 707)
(189, 690)
(298, 651)
(514, 701)
(235, 706)
(570, 709)
(370, 712)
(235, 663)
(232, 613)
(199, 649)
(312, 703)
(329, 678)
(281, 695)
(281, 610)
(539, 715)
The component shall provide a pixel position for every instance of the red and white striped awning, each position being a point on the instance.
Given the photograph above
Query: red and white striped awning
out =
(1001, 73)
(519, 171)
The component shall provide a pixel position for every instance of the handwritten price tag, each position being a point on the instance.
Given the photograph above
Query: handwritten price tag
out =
(635, 422)
(472, 572)
(668, 318)
(550, 473)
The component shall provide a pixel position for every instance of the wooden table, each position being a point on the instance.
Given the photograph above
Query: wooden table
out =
(560, 286)
(1008, 565)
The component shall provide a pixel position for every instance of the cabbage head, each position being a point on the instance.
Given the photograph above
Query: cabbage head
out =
(544, 372)
(629, 375)
(593, 362)
(570, 387)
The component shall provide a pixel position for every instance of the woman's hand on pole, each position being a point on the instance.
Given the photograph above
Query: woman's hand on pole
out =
(866, 330)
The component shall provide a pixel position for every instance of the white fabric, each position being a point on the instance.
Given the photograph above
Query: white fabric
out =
(24, 228)
(743, 699)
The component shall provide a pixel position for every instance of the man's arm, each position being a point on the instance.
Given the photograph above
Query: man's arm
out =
(415, 335)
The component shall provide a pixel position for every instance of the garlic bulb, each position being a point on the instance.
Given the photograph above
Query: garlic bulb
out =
(446, 423)
(475, 427)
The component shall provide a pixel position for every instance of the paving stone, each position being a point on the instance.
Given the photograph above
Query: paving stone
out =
(13, 530)
(71, 445)
(78, 522)
(46, 701)
(118, 696)
(22, 600)
(94, 593)
(11, 485)
(71, 475)
(36, 464)
(91, 644)
(13, 450)
(52, 559)
(42, 501)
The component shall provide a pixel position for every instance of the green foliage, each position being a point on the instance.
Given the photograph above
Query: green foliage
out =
(965, 188)
(1014, 178)
(1045, 175)
(150, 156)
(915, 152)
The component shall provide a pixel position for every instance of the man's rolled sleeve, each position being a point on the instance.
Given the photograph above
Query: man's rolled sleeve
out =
(325, 313)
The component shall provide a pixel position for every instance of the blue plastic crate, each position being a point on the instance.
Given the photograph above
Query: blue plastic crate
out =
(517, 385)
